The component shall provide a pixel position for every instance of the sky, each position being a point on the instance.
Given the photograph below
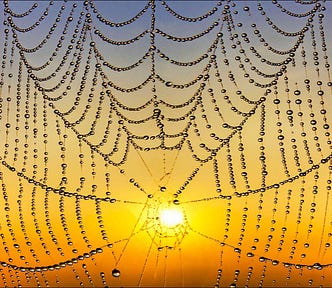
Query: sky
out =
(247, 165)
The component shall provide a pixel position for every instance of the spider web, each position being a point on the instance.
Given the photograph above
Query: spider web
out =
(105, 119)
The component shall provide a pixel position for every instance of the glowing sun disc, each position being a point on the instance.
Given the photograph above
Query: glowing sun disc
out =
(171, 217)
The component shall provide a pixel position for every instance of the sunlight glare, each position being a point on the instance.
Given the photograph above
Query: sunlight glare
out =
(171, 217)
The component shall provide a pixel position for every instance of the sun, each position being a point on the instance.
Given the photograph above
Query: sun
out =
(166, 223)
(171, 217)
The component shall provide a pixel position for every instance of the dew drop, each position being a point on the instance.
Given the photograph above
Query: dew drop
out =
(237, 250)
(275, 262)
(116, 273)
(317, 266)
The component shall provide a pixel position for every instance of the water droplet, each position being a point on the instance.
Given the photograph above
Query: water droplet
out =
(116, 273)
(237, 250)
(275, 262)
(317, 266)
